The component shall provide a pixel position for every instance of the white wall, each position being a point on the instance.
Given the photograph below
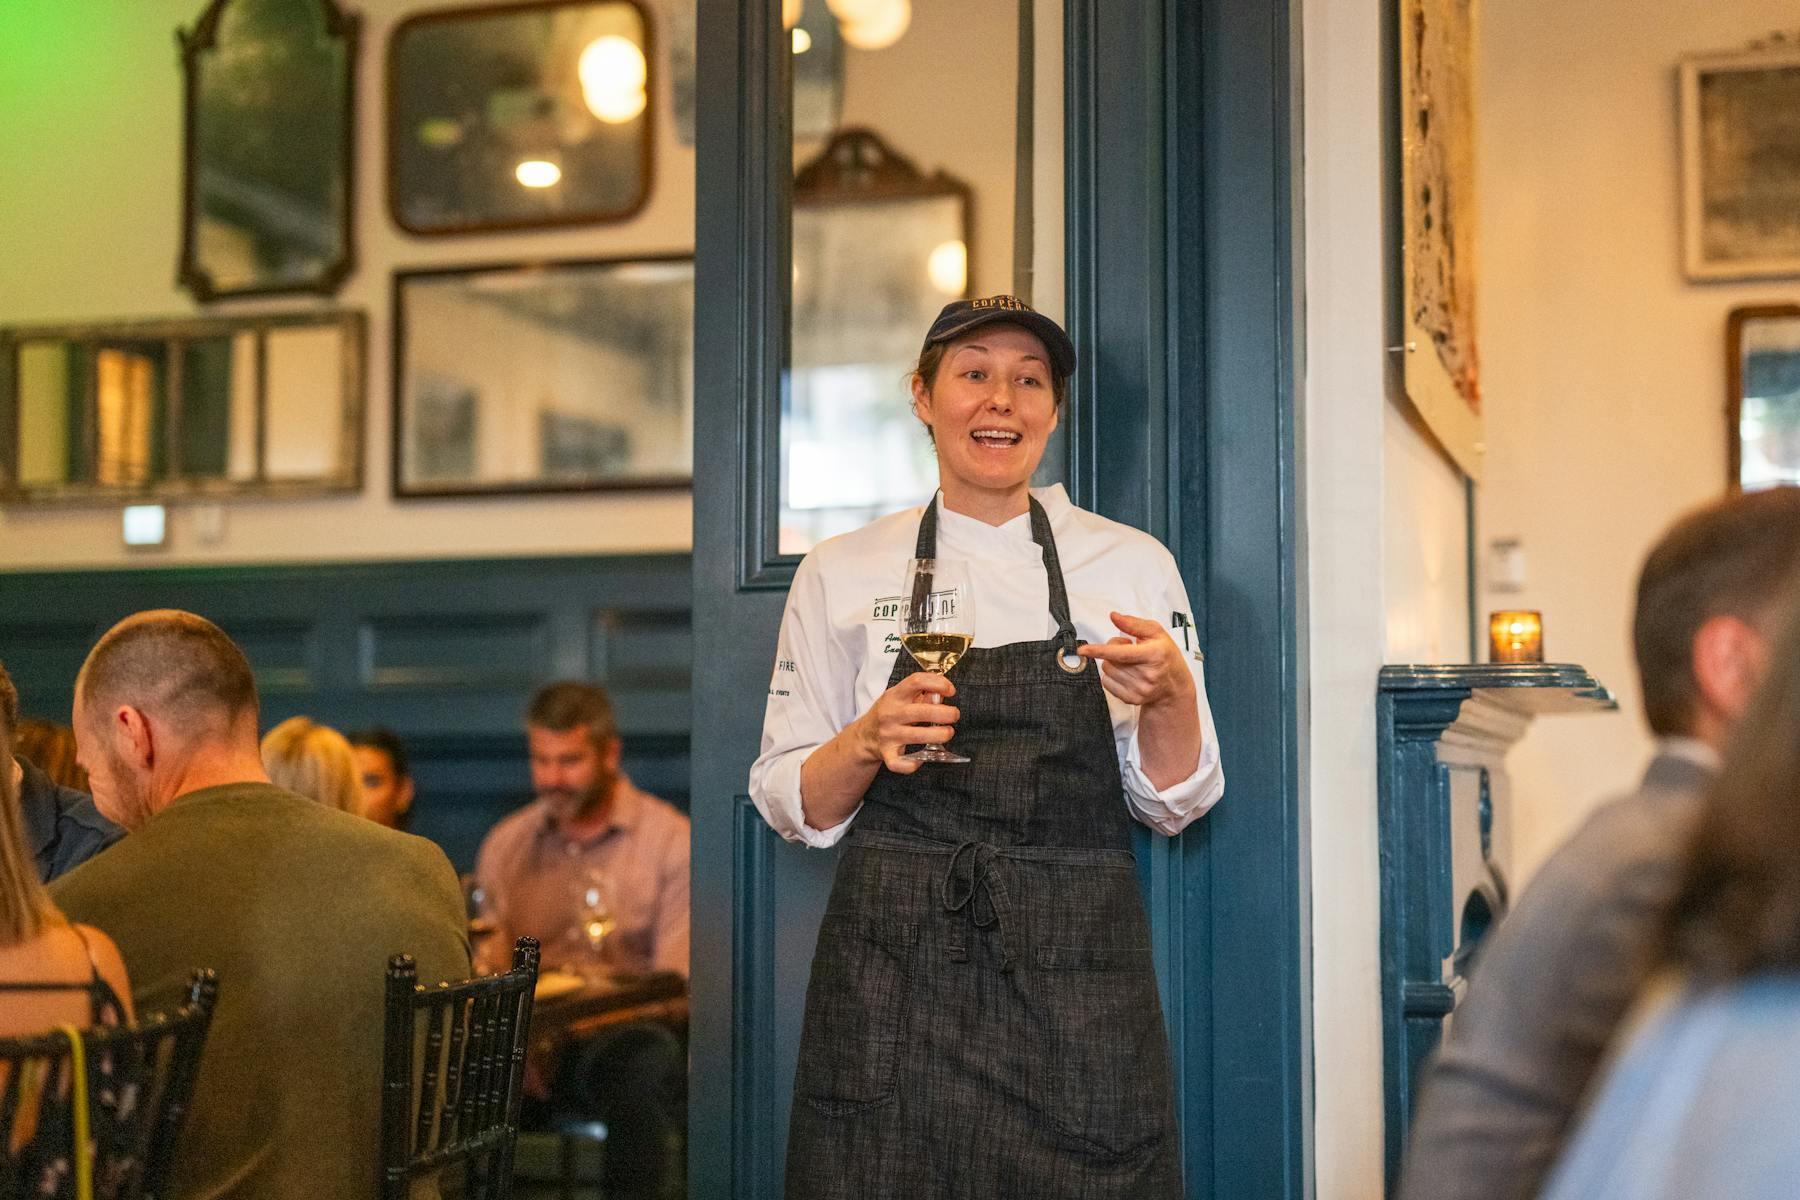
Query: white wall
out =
(1425, 544)
(1345, 503)
(1603, 370)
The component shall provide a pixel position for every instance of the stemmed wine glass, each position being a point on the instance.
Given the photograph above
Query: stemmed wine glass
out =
(594, 923)
(937, 623)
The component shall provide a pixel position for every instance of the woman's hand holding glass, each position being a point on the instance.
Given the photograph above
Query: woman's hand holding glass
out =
(911, 713)
(937, 627)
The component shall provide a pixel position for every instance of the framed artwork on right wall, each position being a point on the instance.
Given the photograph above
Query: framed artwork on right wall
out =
(1740, 163)
(1437, 212)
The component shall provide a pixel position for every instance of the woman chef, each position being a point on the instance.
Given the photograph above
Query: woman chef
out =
(982, 1018)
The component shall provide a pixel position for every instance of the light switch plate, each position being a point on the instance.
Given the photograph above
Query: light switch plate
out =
(1506, 565)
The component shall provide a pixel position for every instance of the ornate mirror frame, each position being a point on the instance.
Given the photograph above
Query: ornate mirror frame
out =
(194, 274)
(855, 168)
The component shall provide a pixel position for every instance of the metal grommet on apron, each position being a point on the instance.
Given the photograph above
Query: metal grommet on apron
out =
(983, 1018)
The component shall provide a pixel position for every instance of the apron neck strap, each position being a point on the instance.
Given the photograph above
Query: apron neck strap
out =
(926, 547)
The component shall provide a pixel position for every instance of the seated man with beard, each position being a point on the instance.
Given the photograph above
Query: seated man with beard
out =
(597, 871)
(589, 843)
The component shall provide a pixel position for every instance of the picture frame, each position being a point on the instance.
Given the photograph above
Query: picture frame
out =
(183, 408)
(520, 116)
(560, 376)
(268, 151)
(1438, 342)
(1740, 163)
(1762, 396)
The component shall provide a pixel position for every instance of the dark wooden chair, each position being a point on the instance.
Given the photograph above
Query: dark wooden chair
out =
(140, 1079)
(452, 1073)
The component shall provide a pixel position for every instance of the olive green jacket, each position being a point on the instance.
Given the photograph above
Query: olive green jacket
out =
(297, 907)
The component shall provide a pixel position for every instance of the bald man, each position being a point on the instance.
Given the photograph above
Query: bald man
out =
(296, 905)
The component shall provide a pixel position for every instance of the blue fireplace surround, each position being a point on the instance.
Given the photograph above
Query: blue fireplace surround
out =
(1444, 826)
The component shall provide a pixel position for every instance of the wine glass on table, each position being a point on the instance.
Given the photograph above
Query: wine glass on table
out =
(594, 923)
(937, 624)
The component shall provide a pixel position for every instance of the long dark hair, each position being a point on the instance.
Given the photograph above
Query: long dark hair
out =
(1738, 908)
(26, 909)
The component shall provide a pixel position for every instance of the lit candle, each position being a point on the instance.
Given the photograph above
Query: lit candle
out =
(1515, 637)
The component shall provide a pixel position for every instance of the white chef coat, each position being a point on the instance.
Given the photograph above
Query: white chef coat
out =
(839, 637)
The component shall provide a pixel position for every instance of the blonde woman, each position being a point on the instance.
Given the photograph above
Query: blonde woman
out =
(52, 972)
(314, 761)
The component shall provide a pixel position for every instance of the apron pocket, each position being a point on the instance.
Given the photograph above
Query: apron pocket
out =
(1106, 1056)
(856, 1011)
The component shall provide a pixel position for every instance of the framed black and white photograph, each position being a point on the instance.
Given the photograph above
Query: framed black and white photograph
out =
(1740, 132)
(563, 376)
(519, 115)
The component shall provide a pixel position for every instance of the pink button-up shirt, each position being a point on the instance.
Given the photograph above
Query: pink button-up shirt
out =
(541, 884)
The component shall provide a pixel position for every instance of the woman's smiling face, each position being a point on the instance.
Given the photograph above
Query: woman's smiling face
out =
(990, 409)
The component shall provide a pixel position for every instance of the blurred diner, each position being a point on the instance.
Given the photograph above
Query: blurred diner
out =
(313, 760)
(385, 776)
(51, 747)
(1700, 1097)
(594, 868)
(61, 827)
(1556, 978)
(52, 971)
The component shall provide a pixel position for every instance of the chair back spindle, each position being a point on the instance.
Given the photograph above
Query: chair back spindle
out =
(453, 1069)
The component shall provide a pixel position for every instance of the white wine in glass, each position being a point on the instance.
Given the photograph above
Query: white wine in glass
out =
(937, 624)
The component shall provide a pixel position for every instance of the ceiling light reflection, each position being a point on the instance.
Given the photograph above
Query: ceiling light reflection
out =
(537, 173)
(948, 267)
(613, 74)
(880, 27)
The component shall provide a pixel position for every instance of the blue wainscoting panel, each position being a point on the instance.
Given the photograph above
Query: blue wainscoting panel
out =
(446, 653)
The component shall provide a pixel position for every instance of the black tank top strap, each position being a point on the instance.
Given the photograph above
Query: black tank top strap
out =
(926, 547)
(104, 1005)
(103, 1002)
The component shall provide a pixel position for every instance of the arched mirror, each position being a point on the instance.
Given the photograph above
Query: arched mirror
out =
(879, 247)
(266, 180)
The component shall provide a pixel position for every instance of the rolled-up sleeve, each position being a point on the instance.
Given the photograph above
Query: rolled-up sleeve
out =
(811, 695)
(1170, 810)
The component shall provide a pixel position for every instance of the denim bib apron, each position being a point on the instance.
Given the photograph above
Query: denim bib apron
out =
(982, 1018)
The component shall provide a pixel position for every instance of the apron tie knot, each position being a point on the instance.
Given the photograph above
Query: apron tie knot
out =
(972, 882)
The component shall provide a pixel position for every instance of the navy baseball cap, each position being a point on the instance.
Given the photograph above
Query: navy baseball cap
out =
(961, 316)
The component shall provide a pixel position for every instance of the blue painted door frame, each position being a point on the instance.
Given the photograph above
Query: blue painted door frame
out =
(1181, 237)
